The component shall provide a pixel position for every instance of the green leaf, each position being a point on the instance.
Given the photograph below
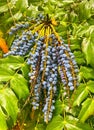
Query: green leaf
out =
(40, 127)
(6, 73)
(72, 123)
(13, 62)
(87, 109)
(22, 5)
(88, 49)
(90, 86)
(80, 94)
(84, 10)
(58, 107)
(79, 56)
(86, 72)
(16, 16)
(25, 70)
(3, 8)
(56, 123)
(20, 86)
(3, 124)
(8, 102)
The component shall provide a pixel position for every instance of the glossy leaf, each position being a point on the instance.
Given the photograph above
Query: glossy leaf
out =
(80, 94)
(25, 70)
(72, 123)
(8, 101)
(13, 62)
(87, 109)
(88, 49)
(56, 123)
(86, 72)
(3, 124)
(20, 86)
(90, 86)
(5, 73)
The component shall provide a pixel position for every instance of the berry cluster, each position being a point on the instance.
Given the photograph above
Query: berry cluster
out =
(22, 44)
(18, 26)
(48, 58)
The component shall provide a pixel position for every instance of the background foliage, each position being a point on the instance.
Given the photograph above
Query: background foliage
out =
(76, 25)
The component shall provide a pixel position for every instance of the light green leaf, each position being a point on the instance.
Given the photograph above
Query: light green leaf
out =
(6, 73)
(88, 49)
(8, 101)
(79, 56)
(72, 123)
(3, 124)
(25, 70)
(20, 86)
(87, 109)
(90, 86)
(80, 94)
(86, 72)
(56, 123)
(22, 5)
(3, 8)
(84, 10)
(16, 16)
(13, 62)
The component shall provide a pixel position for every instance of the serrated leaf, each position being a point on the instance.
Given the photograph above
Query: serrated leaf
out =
(56, 123)
(6, 73)
(8, 101)
(13, 62)
(3, 124)
(20, 86)
(80, 94)
(87, 109)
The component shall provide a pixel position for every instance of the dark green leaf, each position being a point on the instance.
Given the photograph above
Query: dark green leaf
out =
(40, 127)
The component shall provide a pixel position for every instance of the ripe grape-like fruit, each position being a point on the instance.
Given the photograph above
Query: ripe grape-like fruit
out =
(48, 57)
